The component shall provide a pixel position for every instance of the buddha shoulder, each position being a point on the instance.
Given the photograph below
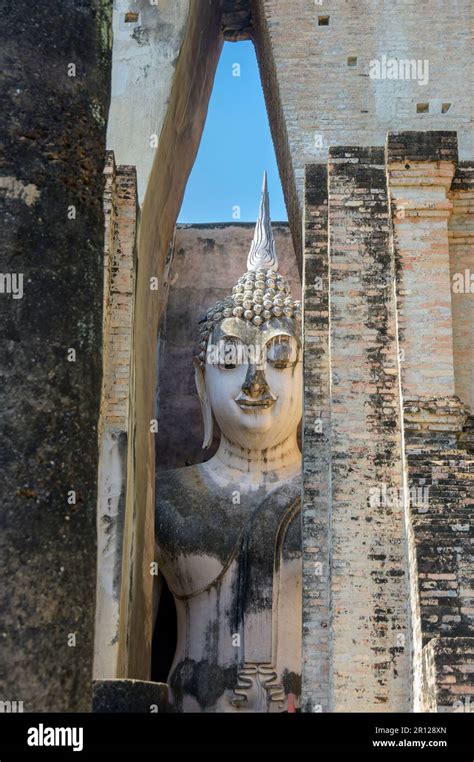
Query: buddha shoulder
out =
(191, 517)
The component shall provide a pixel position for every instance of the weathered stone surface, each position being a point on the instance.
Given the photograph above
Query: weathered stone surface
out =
(358, 590)
(183, 121)
(114, 522)
(461, 258)
(448, 675)
(310, 89)
(316, 446)
(52, 160)
(442, 503)
(420, 168)
(145, 56)
(137, 696)
(236, 19)
(371, 637)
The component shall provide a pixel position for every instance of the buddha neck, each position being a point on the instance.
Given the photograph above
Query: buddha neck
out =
(255, 467)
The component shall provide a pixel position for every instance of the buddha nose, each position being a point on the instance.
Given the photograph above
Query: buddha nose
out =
(255, 384)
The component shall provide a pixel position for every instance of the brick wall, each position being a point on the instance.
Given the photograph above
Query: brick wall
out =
(115, 526)
(442, 507)
(461, 252)
(316, 446)
(366, 581)
(449, 675)
(420, 169)
(320, 94)
(382, 581)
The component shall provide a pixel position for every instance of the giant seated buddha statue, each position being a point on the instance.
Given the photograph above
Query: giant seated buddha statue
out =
(228, 530)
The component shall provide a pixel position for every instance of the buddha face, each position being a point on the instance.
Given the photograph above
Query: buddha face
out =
(253, 378)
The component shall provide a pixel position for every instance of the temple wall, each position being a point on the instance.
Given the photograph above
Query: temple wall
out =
(147, 42)
(461, 251)
(207, 261)
(363, 319)
(420, 169)
(164, 63)
(449, 675)
(316, 495)
(442, 507)
(53, 136)
(322, 101)
(309, 95)
(370, 612)
(115, 518)
(187, 101)
(356, 600)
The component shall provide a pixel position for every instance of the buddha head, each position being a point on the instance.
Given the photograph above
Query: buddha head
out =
(249, 368)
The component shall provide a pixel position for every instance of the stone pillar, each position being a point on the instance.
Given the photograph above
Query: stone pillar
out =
(316, 445)
(357, 595)
(182, 114)
(114, 516)
(461, 257)
(420, 168)
(371, 627)
(56, 55)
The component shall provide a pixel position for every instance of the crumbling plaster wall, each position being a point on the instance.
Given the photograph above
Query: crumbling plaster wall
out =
(147, 41)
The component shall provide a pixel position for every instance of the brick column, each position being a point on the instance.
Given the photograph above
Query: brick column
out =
(370, 596)
(461, 255)
(420, 167)
(114, 520)
(357, 639)
(316, 445)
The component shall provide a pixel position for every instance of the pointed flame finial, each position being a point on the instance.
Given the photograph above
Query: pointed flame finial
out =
(262, 253)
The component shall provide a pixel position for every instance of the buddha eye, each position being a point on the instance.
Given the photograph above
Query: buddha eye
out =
(230, 353)
(282, 351)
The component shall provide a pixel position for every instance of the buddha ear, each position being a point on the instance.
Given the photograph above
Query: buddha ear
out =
(206, 409)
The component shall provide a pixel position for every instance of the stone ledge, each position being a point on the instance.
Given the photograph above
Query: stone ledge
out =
(435, 414)
(236, 20)
(463, 177)
(415, 145)
(136, 696)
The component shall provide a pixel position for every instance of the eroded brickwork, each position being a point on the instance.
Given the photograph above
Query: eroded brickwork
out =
(115, 526)
(369, 636)
(316, 446)
(325, 95)
(420, 170)
(121, 210)
(442, 504)
(449, 675)
(461, 251)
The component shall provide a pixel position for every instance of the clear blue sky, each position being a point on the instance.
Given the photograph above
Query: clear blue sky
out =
(236, 147)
